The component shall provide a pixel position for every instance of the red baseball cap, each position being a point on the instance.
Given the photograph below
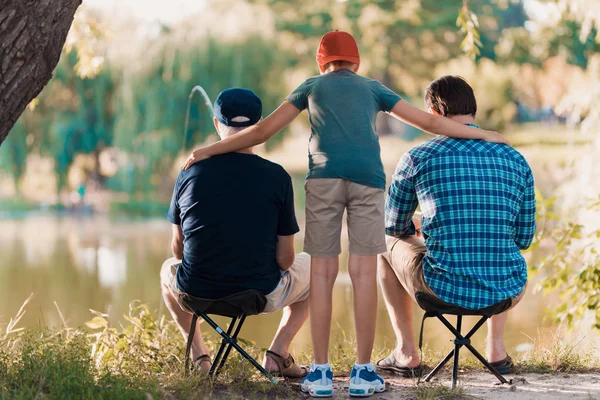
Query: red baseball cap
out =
(337, 45)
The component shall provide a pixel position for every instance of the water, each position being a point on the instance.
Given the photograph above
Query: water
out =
(84, 263)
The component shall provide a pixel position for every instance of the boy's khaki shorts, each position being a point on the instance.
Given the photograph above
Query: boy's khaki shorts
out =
(326, 200)
(293, 287)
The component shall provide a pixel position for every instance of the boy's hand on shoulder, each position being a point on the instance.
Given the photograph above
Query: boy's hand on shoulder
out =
(197, 155)
(495, 137)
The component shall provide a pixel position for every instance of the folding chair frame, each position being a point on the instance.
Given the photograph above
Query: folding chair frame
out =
(230, 340)
(459, 341)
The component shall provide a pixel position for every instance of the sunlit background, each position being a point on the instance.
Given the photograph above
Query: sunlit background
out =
(87, 172)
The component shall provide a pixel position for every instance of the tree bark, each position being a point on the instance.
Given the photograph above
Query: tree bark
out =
(32, 35)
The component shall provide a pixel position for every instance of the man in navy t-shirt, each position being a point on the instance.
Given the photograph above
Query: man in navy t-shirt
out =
(233, 230)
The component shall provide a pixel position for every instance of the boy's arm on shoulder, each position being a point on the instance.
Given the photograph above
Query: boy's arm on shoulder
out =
(251, 136)
(259, 133)
(438, 125)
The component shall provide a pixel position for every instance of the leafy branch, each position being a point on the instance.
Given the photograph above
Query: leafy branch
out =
(572, 268)
(469, 25)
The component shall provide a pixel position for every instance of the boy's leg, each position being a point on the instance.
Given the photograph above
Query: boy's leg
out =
(366, 233)
(182, 318)
(323, 272)
(366, 236)
(363, 273)
(325, 204)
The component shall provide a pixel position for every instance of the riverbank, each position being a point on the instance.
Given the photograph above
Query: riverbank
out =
(142, 358)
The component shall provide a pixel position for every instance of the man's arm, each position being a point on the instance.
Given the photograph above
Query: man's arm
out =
(402, 201)
(438, 125)
(284, 252)
(525, 223)
(177, 242)
(251, 136)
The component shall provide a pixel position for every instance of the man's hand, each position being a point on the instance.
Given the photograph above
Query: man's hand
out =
(495, 137)
(197, 155)
(417, 222)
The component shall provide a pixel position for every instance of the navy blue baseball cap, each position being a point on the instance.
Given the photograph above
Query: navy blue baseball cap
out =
(238, 107)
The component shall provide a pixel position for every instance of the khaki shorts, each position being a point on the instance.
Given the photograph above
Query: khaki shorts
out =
(405, 257)
(326, 200)
(293, 287)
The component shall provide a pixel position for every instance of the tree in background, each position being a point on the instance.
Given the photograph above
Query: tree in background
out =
(32, 34)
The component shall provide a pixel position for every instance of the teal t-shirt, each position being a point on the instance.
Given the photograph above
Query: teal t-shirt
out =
(342, 108)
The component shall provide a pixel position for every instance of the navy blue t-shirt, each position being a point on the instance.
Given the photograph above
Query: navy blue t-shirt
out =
(231, 208)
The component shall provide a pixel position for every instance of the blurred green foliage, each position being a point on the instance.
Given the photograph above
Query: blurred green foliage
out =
(572, 268)
(133, 100)
(139, 112)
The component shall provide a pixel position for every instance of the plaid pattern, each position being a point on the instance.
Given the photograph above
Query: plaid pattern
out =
(478, 205)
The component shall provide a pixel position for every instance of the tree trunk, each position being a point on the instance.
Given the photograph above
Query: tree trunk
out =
(32, 34)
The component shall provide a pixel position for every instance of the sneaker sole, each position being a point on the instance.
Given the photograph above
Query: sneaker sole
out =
(364, 390)
(317, 391)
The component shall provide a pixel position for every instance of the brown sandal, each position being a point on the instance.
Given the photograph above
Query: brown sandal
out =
(287, 367)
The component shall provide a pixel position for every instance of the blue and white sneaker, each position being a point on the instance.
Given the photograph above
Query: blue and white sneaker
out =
(318, 382)
(364, 381)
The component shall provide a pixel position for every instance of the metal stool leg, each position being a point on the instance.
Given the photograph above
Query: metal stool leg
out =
(189, 343)
(487, 364)
(233, 337)
(439, 366)
(224, 342)
(226, 337)
(457, 345)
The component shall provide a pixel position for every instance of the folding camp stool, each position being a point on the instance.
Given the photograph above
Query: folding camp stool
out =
(237, 307)
(434, 307)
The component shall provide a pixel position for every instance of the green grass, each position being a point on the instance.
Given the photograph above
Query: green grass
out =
(143, 359)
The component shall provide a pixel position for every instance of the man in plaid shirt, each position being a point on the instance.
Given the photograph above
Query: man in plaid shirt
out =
(478, 211)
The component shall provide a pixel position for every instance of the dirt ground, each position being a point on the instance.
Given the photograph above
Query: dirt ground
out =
(481, 385)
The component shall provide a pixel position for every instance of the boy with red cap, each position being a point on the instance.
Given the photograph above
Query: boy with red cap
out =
(345, 173)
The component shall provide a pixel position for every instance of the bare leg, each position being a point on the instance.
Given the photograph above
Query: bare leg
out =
(292, 320)
(496, 349)
(182, 318)
(400, 308)
(323, 272)
(363, 272)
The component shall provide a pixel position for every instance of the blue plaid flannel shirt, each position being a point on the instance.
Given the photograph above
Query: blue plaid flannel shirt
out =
(478, 210)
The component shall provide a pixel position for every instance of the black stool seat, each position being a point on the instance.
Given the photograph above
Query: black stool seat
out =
(249, 302)
(237, 307)
(435, 307)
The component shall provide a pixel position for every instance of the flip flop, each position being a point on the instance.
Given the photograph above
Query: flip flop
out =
(505, 366)
(389, 364)
(197, 363)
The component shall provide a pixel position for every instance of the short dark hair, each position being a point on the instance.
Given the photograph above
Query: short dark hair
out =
(339, 64)
(450, 96)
